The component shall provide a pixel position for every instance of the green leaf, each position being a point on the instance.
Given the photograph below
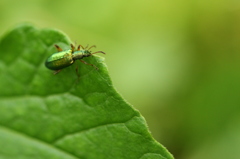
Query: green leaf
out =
(58, 116)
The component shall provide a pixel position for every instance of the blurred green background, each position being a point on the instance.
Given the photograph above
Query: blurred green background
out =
(177, 62)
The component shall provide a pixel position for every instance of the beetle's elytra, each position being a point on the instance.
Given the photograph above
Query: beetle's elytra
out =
(62, 59)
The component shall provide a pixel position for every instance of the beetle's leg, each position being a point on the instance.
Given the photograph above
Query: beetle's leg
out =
(78, 75)
(88, 64)
(58, 48)
(78, 48)
(56, 72)
(77, 72)
(73, 48)
(91, 47)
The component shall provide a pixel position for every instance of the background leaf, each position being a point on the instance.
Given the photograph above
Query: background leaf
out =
(47, 116)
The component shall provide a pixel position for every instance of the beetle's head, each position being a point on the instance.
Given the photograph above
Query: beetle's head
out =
(87, 53)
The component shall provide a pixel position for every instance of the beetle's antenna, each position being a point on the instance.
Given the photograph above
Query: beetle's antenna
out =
(98, 52)
(86, 46)
(75, 43)
(91, 47)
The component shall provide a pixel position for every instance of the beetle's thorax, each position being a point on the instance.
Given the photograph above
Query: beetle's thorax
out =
(80, 54)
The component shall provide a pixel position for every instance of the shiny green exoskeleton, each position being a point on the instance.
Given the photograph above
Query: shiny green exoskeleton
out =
(62, 59)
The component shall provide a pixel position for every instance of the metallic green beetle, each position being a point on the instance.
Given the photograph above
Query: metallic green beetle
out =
(62, 59)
